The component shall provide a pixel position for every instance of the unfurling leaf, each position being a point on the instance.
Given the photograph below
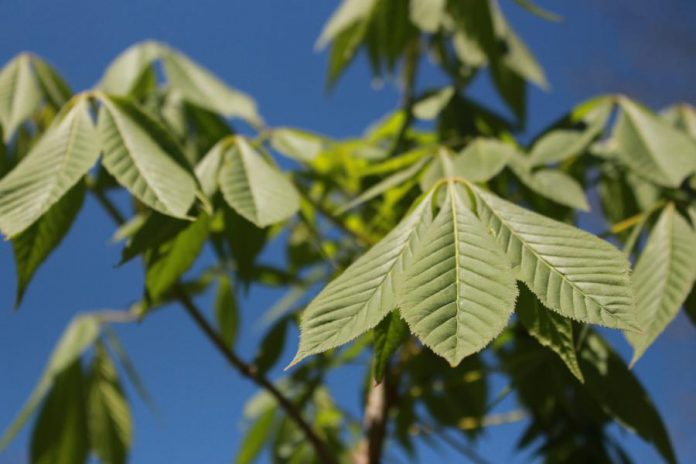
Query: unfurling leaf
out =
(571, 271)
(663, 277)
(458, 289)
(256, 190)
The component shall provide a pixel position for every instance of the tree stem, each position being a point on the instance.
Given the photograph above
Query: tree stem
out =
(247, 370)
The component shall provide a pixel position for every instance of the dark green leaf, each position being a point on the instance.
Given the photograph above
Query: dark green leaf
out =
(388, 337)
(226, 311)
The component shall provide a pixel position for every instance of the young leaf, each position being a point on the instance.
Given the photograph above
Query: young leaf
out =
(364, 294)
(60, 433)
(169, 261)
(140, 156)
(458, 290)
(296, 144)
(550, 329)
(388, 336)
(255, 189)
(663, 277)
(57, 162)
(124, 73)
(108, 415)
(571, 271)
(621, 394)
(35, 244)
(198, 86)
(226, 311)
(652, 147)
(20, 94)
(80, 334)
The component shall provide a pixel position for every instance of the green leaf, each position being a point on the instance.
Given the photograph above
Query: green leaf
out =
(482, 159)
(458, 289)
(662, 277)
(226, 311)
(60, 431)
(621, 394)
(271, 347)
(80, 335)
(385, 185)
(200, 87)
(550, 183)
(20, 94)
(690, 305)
(245, 241)
(108, 415)
(208, 168)
(128, 69)
(548, 328)
(652, 147)
(296, 144)
(350, 12)
(139, 154)
(388, 337)
(431, 105)
(427, 14)
(55, 164)
(35, 244)
(54, 88)
(169, 261)
(538, 11)
(256, 190)
(682, 116)
(154, 231)
(364, 294)
(255, 439)
(571, 271)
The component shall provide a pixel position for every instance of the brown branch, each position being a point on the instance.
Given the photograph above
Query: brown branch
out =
(245, 369)
(376, 416)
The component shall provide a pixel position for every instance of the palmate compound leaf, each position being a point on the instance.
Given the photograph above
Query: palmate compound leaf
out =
(254, 188)
(663, 277)
(458, 289)
(571, 271)
(364, 294)
(58, 161)
(141, 156)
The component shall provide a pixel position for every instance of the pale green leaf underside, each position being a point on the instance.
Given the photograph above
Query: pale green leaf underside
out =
(429, 107)
(123, 73)
(427, 14)
(650, 146)
(571, 271)
(550, 329)
(482, 159)
(458, 290)
(296, 144)
(20, 94)
(364, 294)
(663, 277)
(139, 163)
(349, 12)
(256, 190)
(57, 162)
(207, 170)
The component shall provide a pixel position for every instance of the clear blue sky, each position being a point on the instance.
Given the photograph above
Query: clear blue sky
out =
(265, 47)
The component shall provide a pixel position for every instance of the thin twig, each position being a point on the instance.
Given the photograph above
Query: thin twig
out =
(245, 369)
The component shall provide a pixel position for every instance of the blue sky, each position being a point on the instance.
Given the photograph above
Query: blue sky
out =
(265, 47)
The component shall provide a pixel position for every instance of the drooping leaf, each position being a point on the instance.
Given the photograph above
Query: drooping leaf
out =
(169, 261)
(208, 168)
(570, 271)
(621, 394)
(255, 189)
(364, 294)
(256, 437)
(458, 289)
(551, 183)
(550, 329)
(651, 147)
(388, 336)
(296, 144)
(140, 155)
(60, 432)
(124, 73)
(200, 87)
(54, 88)
(226, 311)
(79, 335)
(57, 162)
(20, 94)
(663, 277)
(350, 12)
(108, 414)
(35, 244)
(427, 14)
